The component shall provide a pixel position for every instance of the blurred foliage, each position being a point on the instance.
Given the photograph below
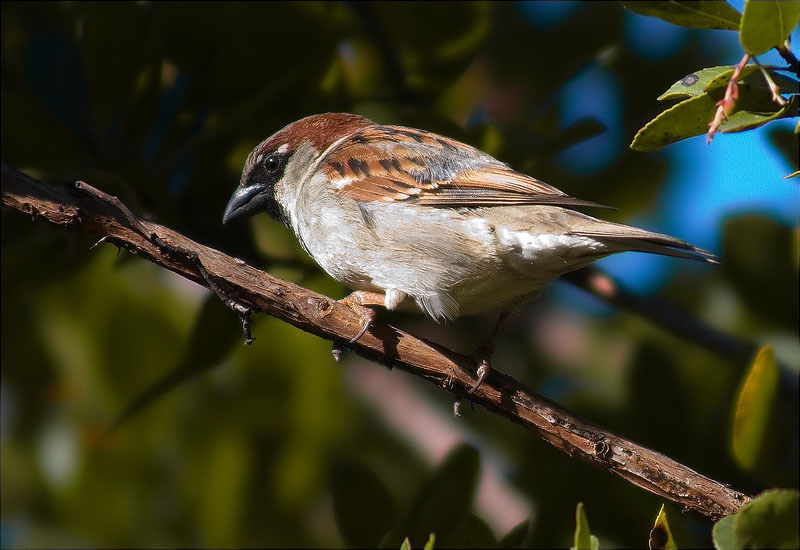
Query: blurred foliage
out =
(273, 445)
(754, 413)
(770, 520)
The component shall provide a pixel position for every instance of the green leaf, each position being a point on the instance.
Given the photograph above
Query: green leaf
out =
(431, 544)
(712, 78)
(685, 119)
(691, 117)
(753, 82)
(754, 409)
(661, 534)
(705, 14)
(679, 527)
(770, 520)
(724, 534)
(694, 84)
(446, 499)
(473, 532)
(786, 84)
(583, 536)
(362, 505)
(406, 544)
(767, 23)
(747, 119)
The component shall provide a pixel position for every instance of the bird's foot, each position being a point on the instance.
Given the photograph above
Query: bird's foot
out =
(484, 352)
(357, 302)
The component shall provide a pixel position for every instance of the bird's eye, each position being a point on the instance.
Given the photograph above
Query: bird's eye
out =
(272, 163)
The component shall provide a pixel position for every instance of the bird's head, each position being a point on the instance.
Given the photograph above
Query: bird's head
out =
(284, 159)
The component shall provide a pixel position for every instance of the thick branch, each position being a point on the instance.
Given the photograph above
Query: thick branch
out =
(83, 208)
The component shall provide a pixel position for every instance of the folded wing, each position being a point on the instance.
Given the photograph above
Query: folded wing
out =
(392, 163)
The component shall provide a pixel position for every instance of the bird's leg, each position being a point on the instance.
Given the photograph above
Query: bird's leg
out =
(483, 353)
(357, 301)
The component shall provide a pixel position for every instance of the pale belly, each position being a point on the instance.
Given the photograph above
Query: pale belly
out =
(447, 262)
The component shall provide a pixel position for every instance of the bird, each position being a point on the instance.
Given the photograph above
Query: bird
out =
(412, 220)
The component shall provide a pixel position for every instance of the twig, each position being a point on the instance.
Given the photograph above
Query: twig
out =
(241, 310)
(788, 55)
(665, 315)
(774, 89)
(727, 104)
(84, 210)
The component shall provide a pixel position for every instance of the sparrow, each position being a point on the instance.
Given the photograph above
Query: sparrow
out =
(409, 219)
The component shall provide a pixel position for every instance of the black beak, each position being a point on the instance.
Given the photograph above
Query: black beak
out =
(245, 201)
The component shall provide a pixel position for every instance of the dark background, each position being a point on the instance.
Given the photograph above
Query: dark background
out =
(277, 445)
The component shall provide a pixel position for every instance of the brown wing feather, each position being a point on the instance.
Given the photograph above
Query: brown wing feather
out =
(393, 163)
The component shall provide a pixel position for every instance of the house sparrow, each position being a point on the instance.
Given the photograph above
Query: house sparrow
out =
(411, 219)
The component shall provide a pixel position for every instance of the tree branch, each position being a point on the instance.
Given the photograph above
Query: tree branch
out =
(80, 207)
(665, 315)
(788, 55)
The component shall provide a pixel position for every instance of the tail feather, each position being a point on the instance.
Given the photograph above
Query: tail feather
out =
(676, 248)
(627, 238)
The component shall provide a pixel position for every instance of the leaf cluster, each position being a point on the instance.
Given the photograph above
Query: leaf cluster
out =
(764, 93)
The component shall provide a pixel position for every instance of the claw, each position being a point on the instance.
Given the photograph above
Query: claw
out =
(337, 352)
(483, 372)
(366, 323)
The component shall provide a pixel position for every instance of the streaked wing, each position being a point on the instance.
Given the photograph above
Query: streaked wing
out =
(392, 163)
